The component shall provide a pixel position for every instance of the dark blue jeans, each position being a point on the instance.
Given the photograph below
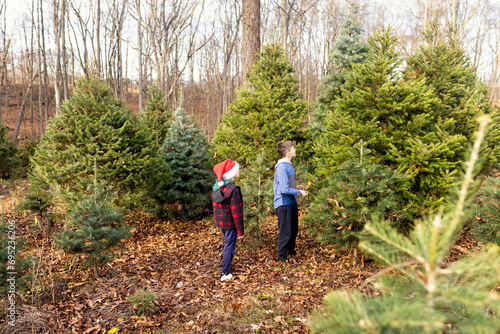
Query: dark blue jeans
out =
(230, 237)
(288, 228)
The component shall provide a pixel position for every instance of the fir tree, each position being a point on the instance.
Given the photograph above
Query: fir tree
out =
(463, 96)
(8, 153)
(429, 296)
(486, 225)
(185, 152)
(347, 51)
(399, 117)
(156, 116)
(93, 228)
(350, 197)
(268, 112)
(95, 126)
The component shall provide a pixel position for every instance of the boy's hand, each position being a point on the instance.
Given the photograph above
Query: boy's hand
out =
(303, 193)
(241, 236)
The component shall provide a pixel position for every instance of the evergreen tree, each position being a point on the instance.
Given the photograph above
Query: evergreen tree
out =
(156, 116)
(268, 112)
(93, 228)
(347, 51)
(463, 96)
(399, 117)
(428, 296)
(96, 127)
(8, 153)
(350, 197)
(185, 152)
(486, 225)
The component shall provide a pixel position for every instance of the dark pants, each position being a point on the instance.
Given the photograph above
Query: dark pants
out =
(288, 228)
(229, 249)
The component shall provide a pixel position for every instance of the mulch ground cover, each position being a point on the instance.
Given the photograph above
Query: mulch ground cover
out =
(180, 262)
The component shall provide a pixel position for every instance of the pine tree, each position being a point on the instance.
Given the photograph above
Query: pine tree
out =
(486, 224)
(463, 96)
(347, 51)
(156, 116)
(8, 153)
(400, 119)
(96, 127)
(350, 197)
(268, 112)
(93, 227)
(185, 152)
(428, 296)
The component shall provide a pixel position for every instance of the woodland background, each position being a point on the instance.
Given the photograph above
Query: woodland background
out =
(195, 47)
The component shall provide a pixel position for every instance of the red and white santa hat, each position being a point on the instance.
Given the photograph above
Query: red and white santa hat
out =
(226, 170)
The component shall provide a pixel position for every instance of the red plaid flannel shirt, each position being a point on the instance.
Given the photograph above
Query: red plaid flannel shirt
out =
(229, 213)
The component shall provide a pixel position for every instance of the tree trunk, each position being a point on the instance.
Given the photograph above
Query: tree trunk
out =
(57, 33)
(45, 72)
(250, 45)
(139, 23)
(40, 106)
(454, 23)
(98, 24)
(64, 17)
(21, 110)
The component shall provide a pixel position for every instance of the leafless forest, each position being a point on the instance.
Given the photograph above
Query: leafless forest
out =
(197, 50)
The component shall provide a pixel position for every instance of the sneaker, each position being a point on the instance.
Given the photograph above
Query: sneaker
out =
(282, 259)
(225, 277)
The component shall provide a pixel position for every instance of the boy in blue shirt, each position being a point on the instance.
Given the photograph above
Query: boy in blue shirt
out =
(285, 203)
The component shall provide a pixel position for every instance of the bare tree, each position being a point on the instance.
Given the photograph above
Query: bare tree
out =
(40, 91)
(59, 6)
(139, 42)
(250, 45)
(98, 38)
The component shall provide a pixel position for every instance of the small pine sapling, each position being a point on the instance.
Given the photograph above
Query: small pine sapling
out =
(256, 188)
(143, 301)
(93, 228)
(350, 197)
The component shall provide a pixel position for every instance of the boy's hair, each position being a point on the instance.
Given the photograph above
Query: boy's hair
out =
(284, 147)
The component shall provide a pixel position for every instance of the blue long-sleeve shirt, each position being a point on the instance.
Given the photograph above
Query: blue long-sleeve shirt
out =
(284, 184)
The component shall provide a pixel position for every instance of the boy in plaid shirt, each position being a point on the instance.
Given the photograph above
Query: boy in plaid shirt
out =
(228, 211)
